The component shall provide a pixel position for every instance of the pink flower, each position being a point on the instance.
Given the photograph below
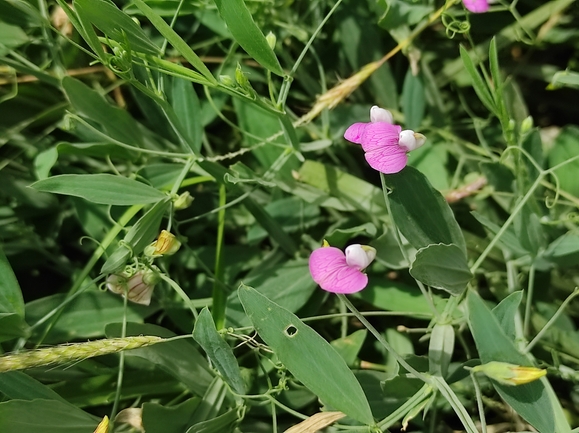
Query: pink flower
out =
(337, 272)
(138, 286)
(476, 6)
(385, 144)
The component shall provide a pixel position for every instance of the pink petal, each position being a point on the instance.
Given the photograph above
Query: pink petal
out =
(476, 6)
(355, 132)
(329, 269)
(388, 159)
(380, 134)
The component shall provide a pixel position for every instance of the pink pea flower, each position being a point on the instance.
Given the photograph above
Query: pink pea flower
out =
(337, 272)
(476, 6)
(137, 287)
(385, 145)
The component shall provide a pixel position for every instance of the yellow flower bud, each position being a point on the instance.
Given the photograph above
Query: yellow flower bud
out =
(510, 374)
(166, 245)
(103, 426)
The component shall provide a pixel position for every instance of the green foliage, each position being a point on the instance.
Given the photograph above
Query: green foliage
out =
(121, 119)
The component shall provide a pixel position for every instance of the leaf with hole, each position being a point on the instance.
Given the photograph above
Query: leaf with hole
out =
(310, 358)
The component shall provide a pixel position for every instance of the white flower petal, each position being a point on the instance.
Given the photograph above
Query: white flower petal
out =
(359, 256)
(378, 114)
(411, 140)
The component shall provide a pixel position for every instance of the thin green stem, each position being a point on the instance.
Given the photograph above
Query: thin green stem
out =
(529, 300)
(181, 293)
(506, 225)
(551, 320)
(454, 401)
(219, 295)
(408, 405)
(479, 402)
(120, 374)
(96, 255)
(382, 340)
(284, 91)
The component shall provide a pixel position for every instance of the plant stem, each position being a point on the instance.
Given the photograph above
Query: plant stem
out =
(382, 340)
(219, 298)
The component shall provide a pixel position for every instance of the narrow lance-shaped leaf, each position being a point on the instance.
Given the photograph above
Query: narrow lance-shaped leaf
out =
(478, 83)
(101, 188)
(11, 300)
(116, 24)
(175, 40)
(218, 351)
(310, 358)
(247, 34)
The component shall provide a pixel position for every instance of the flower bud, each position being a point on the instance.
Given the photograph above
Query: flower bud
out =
(271, 40)
(166, 245)
(510, 374)
(103, 426)
(241, 78)
(526, 125)
(226, 80)
(183, 201)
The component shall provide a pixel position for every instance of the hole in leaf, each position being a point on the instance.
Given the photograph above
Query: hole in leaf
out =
(291, 331)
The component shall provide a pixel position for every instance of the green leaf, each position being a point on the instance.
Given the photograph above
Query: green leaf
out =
(246, 33)
(12, 325)
(218, 351)
(506, 313)
(478, 83)
(394, 296)
(309, 357)
(420, 212)
(352, 192)
(84, 317)
(101, 188)
(413, 100)
(11, 300)
(17, 385)
(223, 423)
(178, 357)
(188, 112)
(531, 400)
(168, 419)
(564, 79)
(565, 148)
(400, 13)
(497, 87)
(117, 123)
(145, 230)
(116, 25)
(348, 347)
(442, 267)
(174, 39)
(288, 284)
(46, 416)
(11, 37)
(84, 28)
(563, 251)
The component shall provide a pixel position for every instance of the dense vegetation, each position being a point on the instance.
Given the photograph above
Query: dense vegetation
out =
(222, 123)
